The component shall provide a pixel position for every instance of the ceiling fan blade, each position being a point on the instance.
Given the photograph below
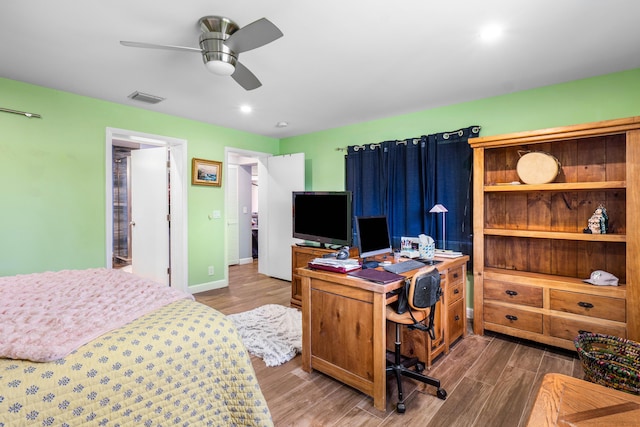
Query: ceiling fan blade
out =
(254, 35)
(160, 46)
(245, 78)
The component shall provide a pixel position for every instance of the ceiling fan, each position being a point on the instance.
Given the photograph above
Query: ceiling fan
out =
(222, 41)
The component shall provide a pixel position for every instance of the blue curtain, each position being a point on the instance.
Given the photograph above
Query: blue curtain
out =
(405, 179)
(366, 169)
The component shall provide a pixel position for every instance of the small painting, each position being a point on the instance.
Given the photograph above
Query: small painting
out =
(206, 172)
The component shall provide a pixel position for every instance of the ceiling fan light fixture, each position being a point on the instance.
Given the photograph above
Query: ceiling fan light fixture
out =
(221, 41)
(221, 68)
(218, 58)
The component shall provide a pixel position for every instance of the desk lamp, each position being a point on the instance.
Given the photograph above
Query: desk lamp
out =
(438, 208)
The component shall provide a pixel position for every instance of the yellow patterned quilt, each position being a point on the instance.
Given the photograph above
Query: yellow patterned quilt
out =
(180, 365)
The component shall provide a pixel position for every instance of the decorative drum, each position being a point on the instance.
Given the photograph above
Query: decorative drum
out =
(537, 167)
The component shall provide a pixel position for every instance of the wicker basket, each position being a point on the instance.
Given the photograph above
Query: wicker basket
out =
(610, 361)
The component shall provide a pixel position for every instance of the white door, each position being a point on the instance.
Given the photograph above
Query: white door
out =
(233, 227)
(279, 176)
(149, 211)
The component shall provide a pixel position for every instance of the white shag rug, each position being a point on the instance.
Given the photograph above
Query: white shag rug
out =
(272, 332)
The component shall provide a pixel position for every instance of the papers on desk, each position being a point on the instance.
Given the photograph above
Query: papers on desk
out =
(335, 265)
(442, 253)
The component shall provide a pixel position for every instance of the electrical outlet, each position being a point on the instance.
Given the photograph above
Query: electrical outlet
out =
(211, 270)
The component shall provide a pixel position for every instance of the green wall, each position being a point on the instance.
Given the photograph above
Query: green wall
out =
(600, 98)
(52, 170)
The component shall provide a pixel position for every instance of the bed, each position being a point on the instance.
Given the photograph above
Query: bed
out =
(70, 354)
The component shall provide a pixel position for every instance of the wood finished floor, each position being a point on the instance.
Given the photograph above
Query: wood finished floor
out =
(490, 380)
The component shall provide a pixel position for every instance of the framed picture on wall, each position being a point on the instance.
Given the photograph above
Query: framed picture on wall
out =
(206, 172)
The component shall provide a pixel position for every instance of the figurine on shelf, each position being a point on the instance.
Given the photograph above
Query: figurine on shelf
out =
(599, 222)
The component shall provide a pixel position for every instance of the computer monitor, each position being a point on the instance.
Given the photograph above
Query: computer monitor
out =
(372, 235)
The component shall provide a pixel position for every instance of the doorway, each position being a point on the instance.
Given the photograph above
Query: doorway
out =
(242, 205)
(118, 217)
(277, 177)
(121, 167)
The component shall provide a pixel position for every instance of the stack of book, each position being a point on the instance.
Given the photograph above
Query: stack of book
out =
(444, 253)
(335, 265)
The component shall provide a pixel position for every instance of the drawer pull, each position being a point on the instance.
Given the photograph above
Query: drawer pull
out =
(511, 317)
(511, 293)
(582, 331)
(585, 304)
(455, 275)
(456, 291)
(456, 318)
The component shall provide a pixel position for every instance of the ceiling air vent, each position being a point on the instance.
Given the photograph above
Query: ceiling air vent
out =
(145, 97)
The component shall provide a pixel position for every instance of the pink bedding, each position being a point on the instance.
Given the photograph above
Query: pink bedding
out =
(45, 316)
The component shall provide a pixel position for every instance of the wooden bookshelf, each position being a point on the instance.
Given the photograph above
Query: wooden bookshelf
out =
(531, 253)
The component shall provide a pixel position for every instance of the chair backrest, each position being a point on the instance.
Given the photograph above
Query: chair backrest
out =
(424, 289)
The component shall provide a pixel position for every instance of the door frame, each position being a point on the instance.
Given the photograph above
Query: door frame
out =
(257, 155)
(179, 175)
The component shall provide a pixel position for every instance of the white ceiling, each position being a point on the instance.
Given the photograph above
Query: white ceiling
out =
(339, 62)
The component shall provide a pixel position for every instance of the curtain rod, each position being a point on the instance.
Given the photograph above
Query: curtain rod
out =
(445, 135)
(22, 113)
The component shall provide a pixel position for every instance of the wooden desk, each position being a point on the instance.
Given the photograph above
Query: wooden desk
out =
(344, 326)
(568, 401)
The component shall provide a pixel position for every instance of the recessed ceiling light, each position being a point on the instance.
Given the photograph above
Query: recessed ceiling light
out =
(246, 109)
(491, 33)
(282, 124)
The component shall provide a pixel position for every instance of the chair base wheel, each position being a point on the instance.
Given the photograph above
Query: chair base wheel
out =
(420, 367)
(441, 393)
(400, 408)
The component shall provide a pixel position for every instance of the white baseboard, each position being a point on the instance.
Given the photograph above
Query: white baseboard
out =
(246, 261)
(202, 287)
(469, 313)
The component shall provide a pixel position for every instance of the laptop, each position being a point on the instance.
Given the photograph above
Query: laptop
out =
(377, 276)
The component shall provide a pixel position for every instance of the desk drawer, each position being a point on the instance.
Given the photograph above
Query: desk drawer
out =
(513, 293)
(588, 305)
(455, 291)
(455, 275)
(568, 329)
(513, 317)
(456, 320)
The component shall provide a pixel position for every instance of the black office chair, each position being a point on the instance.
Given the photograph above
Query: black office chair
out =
(422, 294)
